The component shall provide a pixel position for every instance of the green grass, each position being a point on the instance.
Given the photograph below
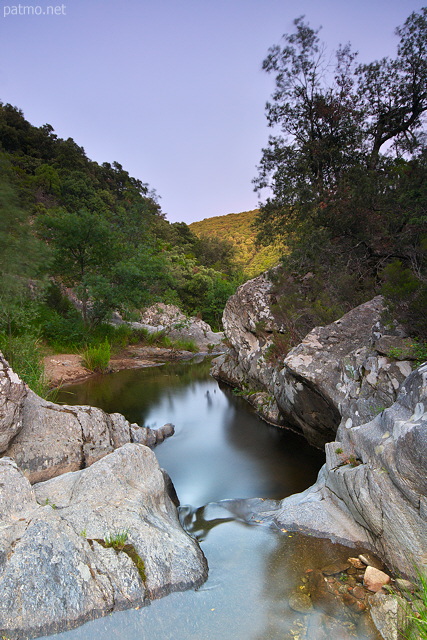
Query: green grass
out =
(97, 358)
(185, 345)
(23, 353)
(417, 622)
(116, 540)
(161, 339)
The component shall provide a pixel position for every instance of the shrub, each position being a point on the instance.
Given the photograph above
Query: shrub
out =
(24, 356)
(417, 622)
(185, 345)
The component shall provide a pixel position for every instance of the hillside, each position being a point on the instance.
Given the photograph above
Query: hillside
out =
(238, 228)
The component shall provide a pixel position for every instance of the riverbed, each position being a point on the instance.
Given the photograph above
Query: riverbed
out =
(221, 450)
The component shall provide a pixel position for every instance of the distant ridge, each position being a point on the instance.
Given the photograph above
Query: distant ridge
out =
(237, 227)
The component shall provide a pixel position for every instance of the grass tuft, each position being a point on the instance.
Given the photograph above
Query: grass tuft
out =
(97, 358)
(417, 621)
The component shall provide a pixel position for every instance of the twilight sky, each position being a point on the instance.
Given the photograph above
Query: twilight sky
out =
(171, 89)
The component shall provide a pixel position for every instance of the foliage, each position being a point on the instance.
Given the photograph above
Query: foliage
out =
(418, 349)
(24, 355)
(238, 228)
(347, 168)
(116, 540)
(417, 622)
(93, 231)
(97, 358)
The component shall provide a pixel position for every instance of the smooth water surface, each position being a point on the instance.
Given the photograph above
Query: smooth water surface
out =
(220, 450)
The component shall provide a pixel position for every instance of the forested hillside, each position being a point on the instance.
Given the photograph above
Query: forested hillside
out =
(238, 230)
(68, 222)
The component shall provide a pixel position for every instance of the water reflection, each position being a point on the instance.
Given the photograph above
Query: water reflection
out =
(220, 449)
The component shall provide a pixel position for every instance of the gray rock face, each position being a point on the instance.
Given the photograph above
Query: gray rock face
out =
(178, 326)
(245, 365)
(55, 439)
(12, 396)
(335, 372)
(340, 385)
(55, 571)
(372, 490)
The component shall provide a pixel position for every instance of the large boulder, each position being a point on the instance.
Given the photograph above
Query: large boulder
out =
(248, 326)
(88, 543)
(178, 326)
(372, 490)
(337, 371)
(46, 439)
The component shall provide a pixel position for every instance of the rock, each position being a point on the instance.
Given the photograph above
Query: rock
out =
(368, 559)
(12, 396)
(336, 567)
(47, 439)
(381, 502)
(300, 602)
(325, 627)
(388, 614)
(178, 326)
(326, 596)
(405, 585)
(249, 325)
(56, 439)
(164, 432)
(55, 571)
(359, 592)
(374, 579)
(334, 374)
(356, 563)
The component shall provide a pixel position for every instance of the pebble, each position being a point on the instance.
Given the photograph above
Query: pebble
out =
(356, 563)
(359, 592)
(300, 602)
(335, 567)
(369, 559)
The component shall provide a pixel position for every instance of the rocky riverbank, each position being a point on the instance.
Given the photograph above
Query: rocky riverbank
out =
(339, 388)
(87, 525)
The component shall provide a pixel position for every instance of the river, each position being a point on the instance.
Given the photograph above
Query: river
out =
(220, 450)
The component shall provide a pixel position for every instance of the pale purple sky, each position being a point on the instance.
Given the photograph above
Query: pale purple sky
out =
(171, 89)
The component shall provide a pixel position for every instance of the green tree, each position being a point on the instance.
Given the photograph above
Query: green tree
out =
(83, 250)
(347, 168)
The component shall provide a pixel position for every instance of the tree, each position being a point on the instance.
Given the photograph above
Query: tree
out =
(346, 166)
(83, 250)
(393, 93)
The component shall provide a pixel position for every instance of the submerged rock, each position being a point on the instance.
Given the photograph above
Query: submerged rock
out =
(55, 569)
(300, 602)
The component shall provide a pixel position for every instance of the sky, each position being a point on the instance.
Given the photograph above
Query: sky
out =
(171, 89)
